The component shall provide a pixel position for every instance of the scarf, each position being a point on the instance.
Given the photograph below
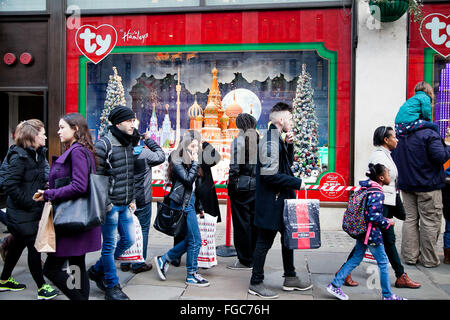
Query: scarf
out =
(125, 139)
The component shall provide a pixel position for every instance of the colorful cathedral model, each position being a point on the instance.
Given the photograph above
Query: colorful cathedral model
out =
(165, 136)
(216, 125)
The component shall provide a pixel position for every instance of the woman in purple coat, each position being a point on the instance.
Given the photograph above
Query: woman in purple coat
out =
(74, 134)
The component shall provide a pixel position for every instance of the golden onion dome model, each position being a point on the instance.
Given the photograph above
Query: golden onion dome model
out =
(224, 118)
(195, 110)
(199, 118)
(233, 109)
(211, 109)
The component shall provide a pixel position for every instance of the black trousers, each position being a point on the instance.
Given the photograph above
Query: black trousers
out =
(76, 288)
(245, 233)
(389, 246)
(15, 249)
(263, 244)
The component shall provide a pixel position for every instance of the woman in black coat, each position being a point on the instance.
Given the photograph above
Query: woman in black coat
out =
(241, 190)
(27, 172)
(207, 188)
(207, 195)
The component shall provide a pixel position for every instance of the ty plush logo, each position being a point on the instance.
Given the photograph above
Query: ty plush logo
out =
(435, 31)
(96, 43)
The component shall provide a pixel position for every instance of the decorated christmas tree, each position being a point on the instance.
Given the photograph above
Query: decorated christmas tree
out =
(306, 151)
(115, 96)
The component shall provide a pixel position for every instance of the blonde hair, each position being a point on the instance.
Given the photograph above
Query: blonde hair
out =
(425, 87)
(27, 131)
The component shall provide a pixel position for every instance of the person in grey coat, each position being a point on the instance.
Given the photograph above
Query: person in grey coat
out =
(145, 157)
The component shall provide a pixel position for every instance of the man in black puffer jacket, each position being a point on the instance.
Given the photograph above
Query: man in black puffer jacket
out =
(115, 159)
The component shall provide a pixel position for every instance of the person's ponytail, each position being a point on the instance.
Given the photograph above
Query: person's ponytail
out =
(374, 171)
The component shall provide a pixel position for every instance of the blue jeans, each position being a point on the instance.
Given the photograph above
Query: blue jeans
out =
(144, 215)
(382, 260)
(118, 219)
(447, 234)
(192, 241)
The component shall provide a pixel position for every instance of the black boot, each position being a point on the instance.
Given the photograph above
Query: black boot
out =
(97, 277)
(115, 293)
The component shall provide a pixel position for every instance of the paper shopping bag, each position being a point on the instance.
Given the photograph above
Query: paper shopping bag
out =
(207, 257)
(135, 252)
(46, 238)
(301, 221)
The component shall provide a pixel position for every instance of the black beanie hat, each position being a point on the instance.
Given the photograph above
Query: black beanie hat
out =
(120, 114)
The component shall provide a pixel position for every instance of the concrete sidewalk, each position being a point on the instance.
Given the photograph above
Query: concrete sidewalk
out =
(317, 266)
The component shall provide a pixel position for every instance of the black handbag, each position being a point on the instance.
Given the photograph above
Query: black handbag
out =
(245, 183)
(168, 220)
(84, 213)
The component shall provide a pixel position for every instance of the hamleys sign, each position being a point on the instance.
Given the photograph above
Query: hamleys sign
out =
(96, 42)
(435, 31)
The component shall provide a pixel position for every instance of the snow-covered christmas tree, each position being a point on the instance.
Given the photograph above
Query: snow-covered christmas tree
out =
(115, 96)
(306, 142)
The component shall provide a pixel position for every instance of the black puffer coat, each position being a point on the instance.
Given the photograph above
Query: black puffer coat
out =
(121, 172)
(183, 180)
(27, 172)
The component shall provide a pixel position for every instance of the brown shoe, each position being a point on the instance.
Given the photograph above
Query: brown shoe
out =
(349, 282)
(405, 282)
(447, 255)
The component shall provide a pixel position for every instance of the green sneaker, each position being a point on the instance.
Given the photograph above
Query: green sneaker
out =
(11, 285)
(46, 292)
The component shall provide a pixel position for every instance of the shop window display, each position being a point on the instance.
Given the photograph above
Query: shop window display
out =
(206, 91)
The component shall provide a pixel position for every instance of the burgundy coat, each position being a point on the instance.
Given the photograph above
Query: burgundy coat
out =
(82, 243)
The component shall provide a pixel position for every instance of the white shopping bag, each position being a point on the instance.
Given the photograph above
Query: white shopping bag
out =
(135, 252)
(369, 258)
(207, 257)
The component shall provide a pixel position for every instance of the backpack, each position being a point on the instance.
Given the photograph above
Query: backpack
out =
(354, 222)
(108, 146)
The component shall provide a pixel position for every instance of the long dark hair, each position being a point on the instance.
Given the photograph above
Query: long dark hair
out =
(179, 153)
(78, 123)
(246, 122)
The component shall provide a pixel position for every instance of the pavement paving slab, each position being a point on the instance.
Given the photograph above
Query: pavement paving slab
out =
(317, 266)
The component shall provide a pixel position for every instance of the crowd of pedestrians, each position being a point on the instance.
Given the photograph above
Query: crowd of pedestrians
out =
(406, 180)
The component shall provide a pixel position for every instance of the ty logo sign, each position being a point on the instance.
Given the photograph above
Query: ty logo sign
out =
(435, 31)
(96, 43)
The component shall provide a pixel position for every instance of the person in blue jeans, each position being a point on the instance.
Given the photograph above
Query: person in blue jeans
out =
(183, 172)
(145, 157)
(114, 153)
(373, 240)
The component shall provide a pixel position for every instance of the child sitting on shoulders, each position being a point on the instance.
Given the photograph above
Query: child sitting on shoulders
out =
(416, 112)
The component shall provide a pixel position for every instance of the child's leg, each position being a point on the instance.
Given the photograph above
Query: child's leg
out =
(352, 263)
(382, 260)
